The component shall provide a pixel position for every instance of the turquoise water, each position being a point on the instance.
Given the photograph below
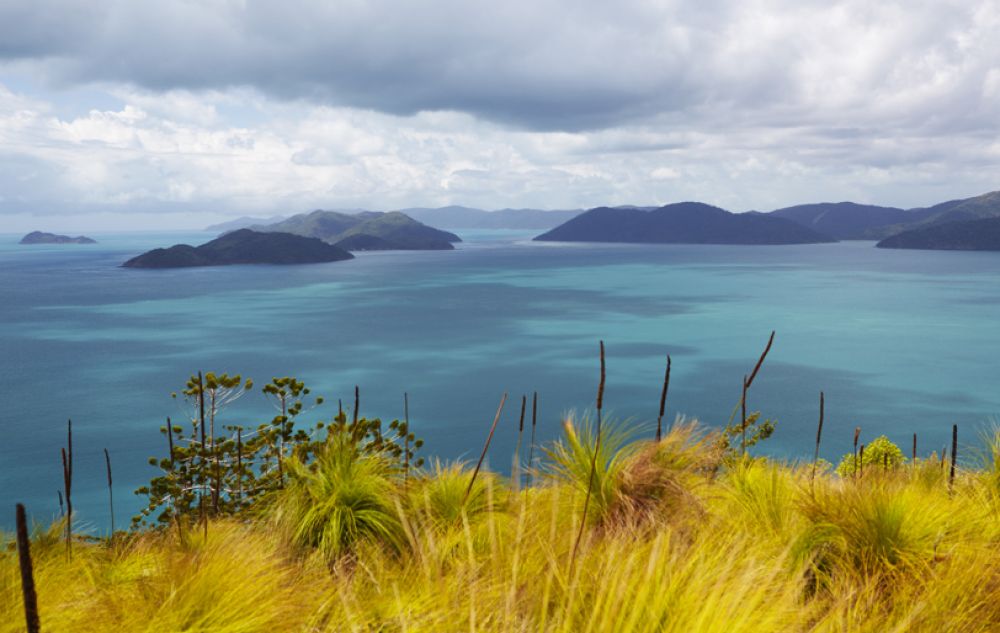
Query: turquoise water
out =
(901, 342)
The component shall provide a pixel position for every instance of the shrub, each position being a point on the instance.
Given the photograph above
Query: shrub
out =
(879, 453)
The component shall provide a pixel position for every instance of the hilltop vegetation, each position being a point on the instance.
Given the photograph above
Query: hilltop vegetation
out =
(345, 530)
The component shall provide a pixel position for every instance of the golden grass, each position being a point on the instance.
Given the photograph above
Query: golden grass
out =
(685, 542)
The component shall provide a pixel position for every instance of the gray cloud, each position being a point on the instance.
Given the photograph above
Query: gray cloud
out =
(545, 64)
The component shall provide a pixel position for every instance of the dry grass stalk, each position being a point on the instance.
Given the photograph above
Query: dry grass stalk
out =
(819, 435)
(593, 460)
(486, 447)
(857, 434)
(406, 439)
(111, 494)
(954, 455)
(170, 441)
(743, 418)
(760, 361)
(67, 463)
(663, 401)
(531, 448)
(357, 404)
(516, 472)
(27, 574)
(859, 467)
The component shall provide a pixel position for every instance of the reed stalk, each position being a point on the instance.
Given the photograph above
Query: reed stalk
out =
(516, 475)
(913, 461)
(819, 435)
(743, 423)
(861, 462)
(406, 438)
(593, 462)
(27, 574)
(170, 441)
(857, 434)
(663, 401)
(111, 494)
(357, 404)
(239, 465)
(486, 447)
(531, 449)
(67, 462)
(954, 456)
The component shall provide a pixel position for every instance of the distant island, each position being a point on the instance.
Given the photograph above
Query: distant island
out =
(449, 217)
(40, 237)
(243, 247)
(365, 231)
(243, 222)
(970, 235)
(681, 223)
(457, 217)
(851, 221)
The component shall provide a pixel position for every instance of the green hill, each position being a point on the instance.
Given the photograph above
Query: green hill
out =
(242, 247)
(681, 223)
(393, 230)
(968, 235)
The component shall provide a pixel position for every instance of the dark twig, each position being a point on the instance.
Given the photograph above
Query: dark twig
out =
(760, 361)
(67, 461)
(531, 449)
(111, 494)
(516, 475)
(954, 456)
(406, 439)
(486, 447)
(913, 462)
(593, 461)
(857, 434)
(170, 441)
(27, 575)
(861, 462)
(357, 403)
(663, 401)
(819, 434)
(743, 424)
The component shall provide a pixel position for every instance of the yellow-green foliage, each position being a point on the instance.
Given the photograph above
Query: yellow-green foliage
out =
(681, 540)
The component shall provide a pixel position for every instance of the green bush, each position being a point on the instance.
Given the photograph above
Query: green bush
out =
(879, 453)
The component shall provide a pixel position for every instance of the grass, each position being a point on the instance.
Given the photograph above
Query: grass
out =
(680, 537)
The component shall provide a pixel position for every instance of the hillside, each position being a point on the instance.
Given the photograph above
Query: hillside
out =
(968, 235)
(242, 247)
(681, 223)
(845, 220)
(244, 222)
(40, 237)
(393, 230)
(978, 207)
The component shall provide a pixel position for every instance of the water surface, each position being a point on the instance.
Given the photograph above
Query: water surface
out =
(900, 341)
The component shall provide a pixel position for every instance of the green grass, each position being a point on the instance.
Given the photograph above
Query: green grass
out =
(681, 537)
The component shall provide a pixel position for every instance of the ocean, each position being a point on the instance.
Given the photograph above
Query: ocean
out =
(901, 342)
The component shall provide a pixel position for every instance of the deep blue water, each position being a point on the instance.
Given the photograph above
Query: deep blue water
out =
(901, 342)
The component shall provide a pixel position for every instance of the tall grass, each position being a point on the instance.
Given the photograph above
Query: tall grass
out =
(676, 539)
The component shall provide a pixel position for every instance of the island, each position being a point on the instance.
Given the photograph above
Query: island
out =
(40, 237)
(681, 223)
(972, 235)
(243, 247)
(367, 230)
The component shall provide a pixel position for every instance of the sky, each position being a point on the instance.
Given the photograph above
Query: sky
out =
(135, 114)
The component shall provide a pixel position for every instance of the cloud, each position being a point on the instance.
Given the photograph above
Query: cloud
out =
(544, 64)
(244, 105)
